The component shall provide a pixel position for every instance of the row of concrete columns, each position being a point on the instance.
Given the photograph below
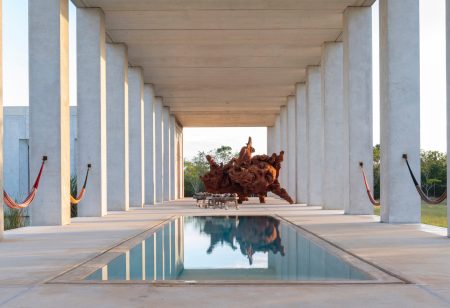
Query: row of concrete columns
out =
(326, 129)
(124, 131)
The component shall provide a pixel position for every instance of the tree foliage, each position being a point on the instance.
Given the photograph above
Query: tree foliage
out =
(433, 172)
(198, 166)
(433, 165)
(376, 171)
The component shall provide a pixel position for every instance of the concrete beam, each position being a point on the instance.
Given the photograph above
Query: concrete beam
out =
(91, 111)
(292, 148)
(48, 26)
(224, 19)
(117, 127)
(400, 109)
(166, 152)
(228, 120)
(136, 135)
(357, 41)
(164, 5)
(159, 151)
(149, 143)
(315, 135)
(302, 144)
(335, 149)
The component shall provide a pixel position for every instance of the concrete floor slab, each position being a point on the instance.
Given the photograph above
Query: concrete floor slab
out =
(30, 257)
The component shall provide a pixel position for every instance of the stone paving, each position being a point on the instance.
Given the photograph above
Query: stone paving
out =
(31, 257)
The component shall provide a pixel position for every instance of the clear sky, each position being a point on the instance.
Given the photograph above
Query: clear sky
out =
(433, 96)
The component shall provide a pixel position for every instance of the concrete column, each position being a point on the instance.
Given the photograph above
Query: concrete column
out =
(335, 150)
(270, 139)
(277, 134)
(315, 134)
(302, 147)
(159, 151)
(358, 103)
(284, 171)
(292, 148)
(173, 159)
(1, 121)
(91, 110)
(400, 109)
(166, 156)
(48, 22)
(117, 127)
(149, 143)
(136, 135)
(447, 8)
(181, 175)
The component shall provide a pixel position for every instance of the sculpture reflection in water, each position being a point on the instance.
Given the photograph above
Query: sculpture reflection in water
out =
(253, 234)
(246, 175)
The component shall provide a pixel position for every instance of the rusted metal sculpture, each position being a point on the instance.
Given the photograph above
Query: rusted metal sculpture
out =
(246, 175)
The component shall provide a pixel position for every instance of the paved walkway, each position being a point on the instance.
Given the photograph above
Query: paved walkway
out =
(30, 257)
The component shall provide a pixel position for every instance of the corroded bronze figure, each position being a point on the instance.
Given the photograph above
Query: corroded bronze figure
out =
(246, 175)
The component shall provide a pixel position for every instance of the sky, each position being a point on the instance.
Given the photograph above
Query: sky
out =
(433, 79)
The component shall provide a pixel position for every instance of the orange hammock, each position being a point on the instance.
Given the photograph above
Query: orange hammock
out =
(14, 205)
(366, 183)
(78, 199)
(423, 196)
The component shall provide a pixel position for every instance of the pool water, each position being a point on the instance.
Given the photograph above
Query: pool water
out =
(229, 248)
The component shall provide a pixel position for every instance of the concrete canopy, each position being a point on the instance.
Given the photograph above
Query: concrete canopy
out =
(224, 62)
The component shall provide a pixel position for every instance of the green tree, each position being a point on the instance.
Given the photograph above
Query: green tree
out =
(376, 171)
(433, 172)
(198, 166)
(223, 154)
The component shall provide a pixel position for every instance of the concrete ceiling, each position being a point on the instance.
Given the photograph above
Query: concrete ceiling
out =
(224, 62)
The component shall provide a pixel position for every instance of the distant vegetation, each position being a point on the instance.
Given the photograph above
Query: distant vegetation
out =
(198, 166)
(433, 172)
(433, 165)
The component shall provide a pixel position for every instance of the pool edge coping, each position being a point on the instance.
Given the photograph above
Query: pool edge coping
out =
(108, 253)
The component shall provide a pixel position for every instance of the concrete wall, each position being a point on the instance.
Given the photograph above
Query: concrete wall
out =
(17, 178)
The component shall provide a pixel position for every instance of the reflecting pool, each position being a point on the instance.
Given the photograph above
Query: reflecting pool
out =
(229, 248)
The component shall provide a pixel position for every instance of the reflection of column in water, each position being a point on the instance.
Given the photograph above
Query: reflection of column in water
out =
(166, 271)
(159, 255)
(271, 260)
(173, 271)
(143, 260)
(278, 259)
(105, 272)
(127, 265)
(150, 251)
(135, 263)
(179, 246)
(169, 271)
(181, 254)
(285, 260)
(335, 268)
(317, 261)
(303, 253)
(291, 249)
(117, 268)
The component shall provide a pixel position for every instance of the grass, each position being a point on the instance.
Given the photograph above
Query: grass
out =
(14, 219)
(435, 215)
